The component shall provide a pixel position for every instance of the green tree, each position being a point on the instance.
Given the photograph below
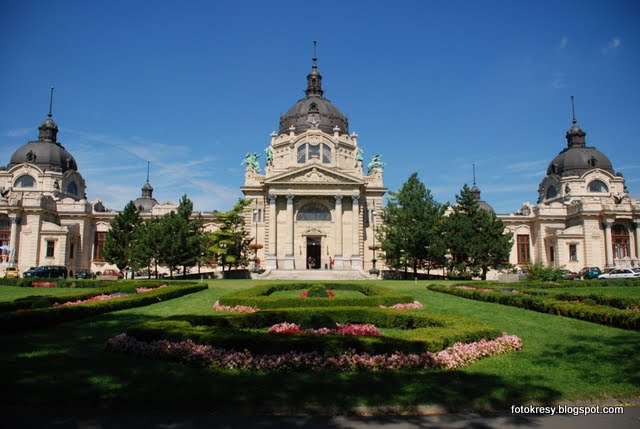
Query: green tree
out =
(192, 236)
(120, 238)
(147, 244)
(412, 232)
(229, 242)
(476, 238)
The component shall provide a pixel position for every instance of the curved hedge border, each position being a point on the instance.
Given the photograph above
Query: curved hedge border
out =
(258, 296)
(421, 332)
(554, 304)
(25, 318)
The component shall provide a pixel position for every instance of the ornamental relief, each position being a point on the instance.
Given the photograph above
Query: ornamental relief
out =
(314, 176)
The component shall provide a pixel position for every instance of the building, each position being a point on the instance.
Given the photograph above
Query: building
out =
(583, 217)
(315, 202)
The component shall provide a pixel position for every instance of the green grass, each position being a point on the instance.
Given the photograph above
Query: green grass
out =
(562, 360)
(11, 293)
(338, 294)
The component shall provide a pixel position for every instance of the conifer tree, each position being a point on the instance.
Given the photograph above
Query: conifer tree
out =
(120, 237)
(229, 242)
(411, 235)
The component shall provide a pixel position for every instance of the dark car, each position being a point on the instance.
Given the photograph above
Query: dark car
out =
(568, 275)
(47, 272)
(85, 274)
(589, 273)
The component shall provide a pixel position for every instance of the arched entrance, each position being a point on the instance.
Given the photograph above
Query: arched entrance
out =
(314, 253)
(5, 234)
(620, 241)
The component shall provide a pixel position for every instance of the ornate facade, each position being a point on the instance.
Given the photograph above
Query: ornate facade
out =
(584, 216)
(314, 203)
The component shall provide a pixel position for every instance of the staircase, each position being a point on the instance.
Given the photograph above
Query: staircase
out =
(314, 275)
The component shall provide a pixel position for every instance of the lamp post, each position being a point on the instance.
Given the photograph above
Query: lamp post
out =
(255, 245)
(373, 247)
(428, 260)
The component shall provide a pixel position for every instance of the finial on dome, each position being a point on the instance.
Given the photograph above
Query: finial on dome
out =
(315, 54)
(314, 79)
(573, 111)
(51, 103)
(148, 164)
(474, 175)
(575, 135)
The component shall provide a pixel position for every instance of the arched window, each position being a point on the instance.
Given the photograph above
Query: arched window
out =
(25, 181)
(326, 154)
(314, 212)
(314, 151)
(72, 188)
(552, 192)
(598, 186)
(620, 241)
(302, 153)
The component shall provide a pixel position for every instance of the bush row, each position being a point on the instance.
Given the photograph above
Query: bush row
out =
(424, 332)
(24, 319)
(605, 315)
(81, 283)
(259, 296)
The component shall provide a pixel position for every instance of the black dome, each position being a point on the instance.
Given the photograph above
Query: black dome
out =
(47, 153)
(314, 111)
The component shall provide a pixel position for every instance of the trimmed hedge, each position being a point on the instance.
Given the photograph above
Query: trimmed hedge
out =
(420, 331)
(551, 303)
(259, 296)
(30, 316)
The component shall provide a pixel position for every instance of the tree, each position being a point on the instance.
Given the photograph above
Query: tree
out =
(120, 238)
(192, 237)
(146, 248)
(411, 234)
(229, 242)
(476, 238)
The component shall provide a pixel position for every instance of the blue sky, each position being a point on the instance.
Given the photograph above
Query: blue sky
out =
(433, 86)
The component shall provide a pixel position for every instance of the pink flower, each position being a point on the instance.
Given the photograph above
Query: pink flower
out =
(284, 328)
(415, 305)
(92, 299)
(148, 289)
(304, 293)
(234, 309)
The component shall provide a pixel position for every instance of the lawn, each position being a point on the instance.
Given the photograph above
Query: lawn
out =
(562, 360)
(10, 293)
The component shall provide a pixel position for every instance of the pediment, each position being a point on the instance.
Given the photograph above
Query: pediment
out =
(314, 174)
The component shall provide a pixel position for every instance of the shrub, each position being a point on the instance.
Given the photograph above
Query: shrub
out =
(538, 271)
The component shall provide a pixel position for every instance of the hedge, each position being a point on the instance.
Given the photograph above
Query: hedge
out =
(259, 296)
(34, 317)
(420, 332)
(550, 303)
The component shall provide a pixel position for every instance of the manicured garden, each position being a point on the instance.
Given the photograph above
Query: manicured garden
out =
(69, 365)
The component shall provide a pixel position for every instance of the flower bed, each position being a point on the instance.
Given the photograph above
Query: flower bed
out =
(415, 305)
(361, 329)
(92, 299)
(235, 308)
(187, 352)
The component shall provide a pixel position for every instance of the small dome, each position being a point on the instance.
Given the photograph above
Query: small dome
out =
(576, 160)
(314, 111)
(146, 201)
(482, 205)
(47, 153)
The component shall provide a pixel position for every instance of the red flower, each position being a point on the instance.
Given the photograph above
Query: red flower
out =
(304, 293)
(331, 294)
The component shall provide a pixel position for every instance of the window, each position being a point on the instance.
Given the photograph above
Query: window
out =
(314, 212)
(314, 151)
(552, 192)
(72, 249)
(326, 154)
(302, 154)
(51, 247)
(524, 256)
(72, 188)
(25, 181)
(573, 252)
(597, 186)
(5, 233)
(552, 256)
(98, 246)
(257, 215)
(620, 241)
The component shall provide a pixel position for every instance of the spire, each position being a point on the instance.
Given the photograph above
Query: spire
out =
(575, 134)
(474, 175)
(48, 131)
(474, 189)
(147, 189)
(51, 103)
(314, 79)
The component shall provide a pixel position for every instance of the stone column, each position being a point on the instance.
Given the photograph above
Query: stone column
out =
(272, 255)
(13, 240)
(608, 245)
(289, 261)
(338, 258)
(356, 260)
(636, 227)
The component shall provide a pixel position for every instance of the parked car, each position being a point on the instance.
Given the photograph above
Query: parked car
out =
(85, 274)
(568, 275)
(47, 272)
(589, 273)
(112, 272)
(620, 273)
(11, 273)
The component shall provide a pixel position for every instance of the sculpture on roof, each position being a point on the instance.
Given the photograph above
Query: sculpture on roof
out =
(268, 155)
(359, 154)
(376, 162)
(251, 161)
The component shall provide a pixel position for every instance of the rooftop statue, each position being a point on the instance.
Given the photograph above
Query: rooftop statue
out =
(251, 161)
(269, 155)
(359, 154)
(376, 162)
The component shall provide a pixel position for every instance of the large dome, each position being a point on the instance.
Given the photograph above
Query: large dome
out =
(47, 153)
(314, 111)
(578, 158)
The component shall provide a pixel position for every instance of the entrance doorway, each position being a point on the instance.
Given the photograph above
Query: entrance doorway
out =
(313, 253)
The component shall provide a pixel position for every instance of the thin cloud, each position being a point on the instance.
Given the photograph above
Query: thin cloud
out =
(559, 80)
(526, 165)
(563, 42)
(18, 132)
(613, 45)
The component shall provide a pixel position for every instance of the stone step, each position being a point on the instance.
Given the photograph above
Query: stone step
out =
(314, 275)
